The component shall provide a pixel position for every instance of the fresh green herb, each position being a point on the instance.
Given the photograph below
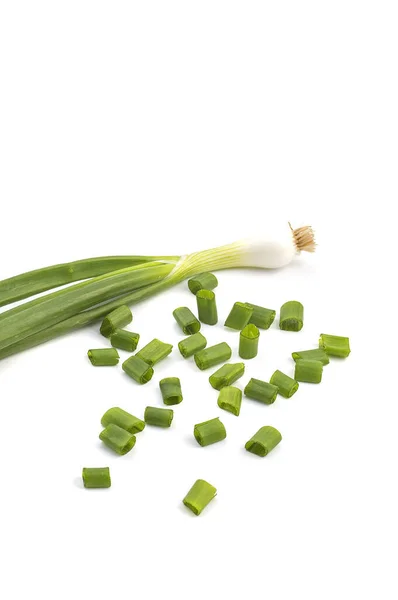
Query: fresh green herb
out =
(118, 439)
(154, 352)
(170, 388)
(199, 496)
(230, 399)
(203, 281)
(125, 340)
(117, 319)
(207, 307)
(192, 345)
(160, 417)
(96, 477)
(212, 356)
(264, 441)
(315, 354)
(248, 341)
(335, 345)
(209, 432)
(285, 384)
(186, 320)
(261, 317)
(122, 419)
(239, 316)
(137, 369)
(291, 316)
(309, 371)
(103, 357)
(226, 375)
(261, 391)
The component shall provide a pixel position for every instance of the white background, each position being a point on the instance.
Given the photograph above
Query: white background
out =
(167, 127)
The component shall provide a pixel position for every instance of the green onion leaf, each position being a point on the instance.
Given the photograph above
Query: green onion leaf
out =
(122, 419)
(116, 319)
(170, 388)
(204, 281)
(209, 432)
(199, 496)
(192, 344)
(103, 357)
(160, 417)
(285, 384)
(230, 399)
(118, 439)
(261, 390)
(291, 316)
(138, 369)
(248, 341)
(212, 356)
(125, 340)
(315, 354)
(154, 352)
(96, 477)
(239, 316)
(226, 375)
(309, 371)
(261, 317)
(264, 441)
(335, 345)
(207, 307)
(186, 320)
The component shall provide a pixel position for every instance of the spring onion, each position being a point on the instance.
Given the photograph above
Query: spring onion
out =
(335, 345)
(160, 417)
(248, 341)
(239, 316)
(186, 320)
(261, 390)
(291, 316)
(199, 496)
(154, 352)
(170, 388)
(103, 357)
(309, 371)
(77, 305)
(192, 345)
(118, 318)
(125, 340)
(98, 477)
(207, 307)
(209, 432)
(203, 281)
(264, 441)
(261, 317)
(230, 399)
(212, 356)
(118, 439)
(226, 375)
(285, 384)
(138, 369)
(122, 419)
(315, 354)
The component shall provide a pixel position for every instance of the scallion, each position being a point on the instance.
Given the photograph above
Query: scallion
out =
(315, 354)
(199, 496)
(207, 307)
(186, 320)
(160, 417)
(261, 317)
(203, 281)
(335, 345)
(261, 390)
(212, 356)
(226, 375)
(117, 319)
(103, 357)
(209, 432)
(125, 340)
(122, 419)
(96, 477)
(138, 369)
(285, 384)
(248, 341)
(309, 371)
(264, 441)
(291, 316)
(239, 316)
(118, 439)
(170, 388)
(154, 352)
(192, 344)
(230, 399)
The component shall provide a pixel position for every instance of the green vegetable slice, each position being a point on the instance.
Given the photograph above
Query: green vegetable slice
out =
(118, 439)
(125, 340)
(264, 441)
(261, 390)
(203, 281)
(138, 369)
(154, 352)
(335, 345)
(230, 399)
(285, 384)
(116, 319)
(207, 307)
(212, 356)
(199, 496)
(122, 419)
(291, 316)
(309, 371)
(160, 417)
(261, 317)
(186, 320)
(170, 388)
(98, 477)
(315, 354)
(226, 375)
(239, 316)
(248, 341)
(209, 432)
(103, 357)
(192, 345)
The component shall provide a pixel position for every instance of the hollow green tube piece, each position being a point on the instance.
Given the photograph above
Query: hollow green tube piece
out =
(103, 357)
(263, 441)
(96, 477)
(192, 344)
(226, 375)
(199, 496)
(122, 419)
(118, 318)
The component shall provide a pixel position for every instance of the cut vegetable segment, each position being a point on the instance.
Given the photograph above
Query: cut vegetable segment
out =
(192, 344)
(315, 354)
(335, 345)
(261, 390)
(226, 375)
(117, 319)
(291, 316)
(204, 281)
(230, 399)
(118, 439)
(160, 417)
(209, 432)
(155, 351)
(261, 317)
(239, 316)
(212, 356)
(264, 441)
(207, 307)
(309, 371)
(285, 384)
(125, 340)
(170, 388)
(98, 477)
(103, 357)
(186, 320)
(138, 369)
(122, 419)
(199, 496)
(248, 341)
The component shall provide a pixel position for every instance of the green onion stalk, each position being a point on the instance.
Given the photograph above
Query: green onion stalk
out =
(107, 283)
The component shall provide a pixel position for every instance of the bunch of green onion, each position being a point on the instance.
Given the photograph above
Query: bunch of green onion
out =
(106, 283)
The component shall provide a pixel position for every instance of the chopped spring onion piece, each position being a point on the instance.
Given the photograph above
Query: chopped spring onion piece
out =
(118, 439)
(212, 356)
(103, 357)
(122, 419)
(261, 317)
(186, 320)
(207, 307)
(203, 281)
(117, 319)
(248, 341)
(138, 369)
(125, 340)
(192, 344)
(239, 316)
(96, 477)
(199, 496)
(226, 375)
(264, 441)
(261, 390)
(335, 345)
(291, 316)
(230, 399)
(285, 384)
(309, 371)
(209, 432)
(155, 351)
(160, 417)
(170, 388)
(315, 354)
